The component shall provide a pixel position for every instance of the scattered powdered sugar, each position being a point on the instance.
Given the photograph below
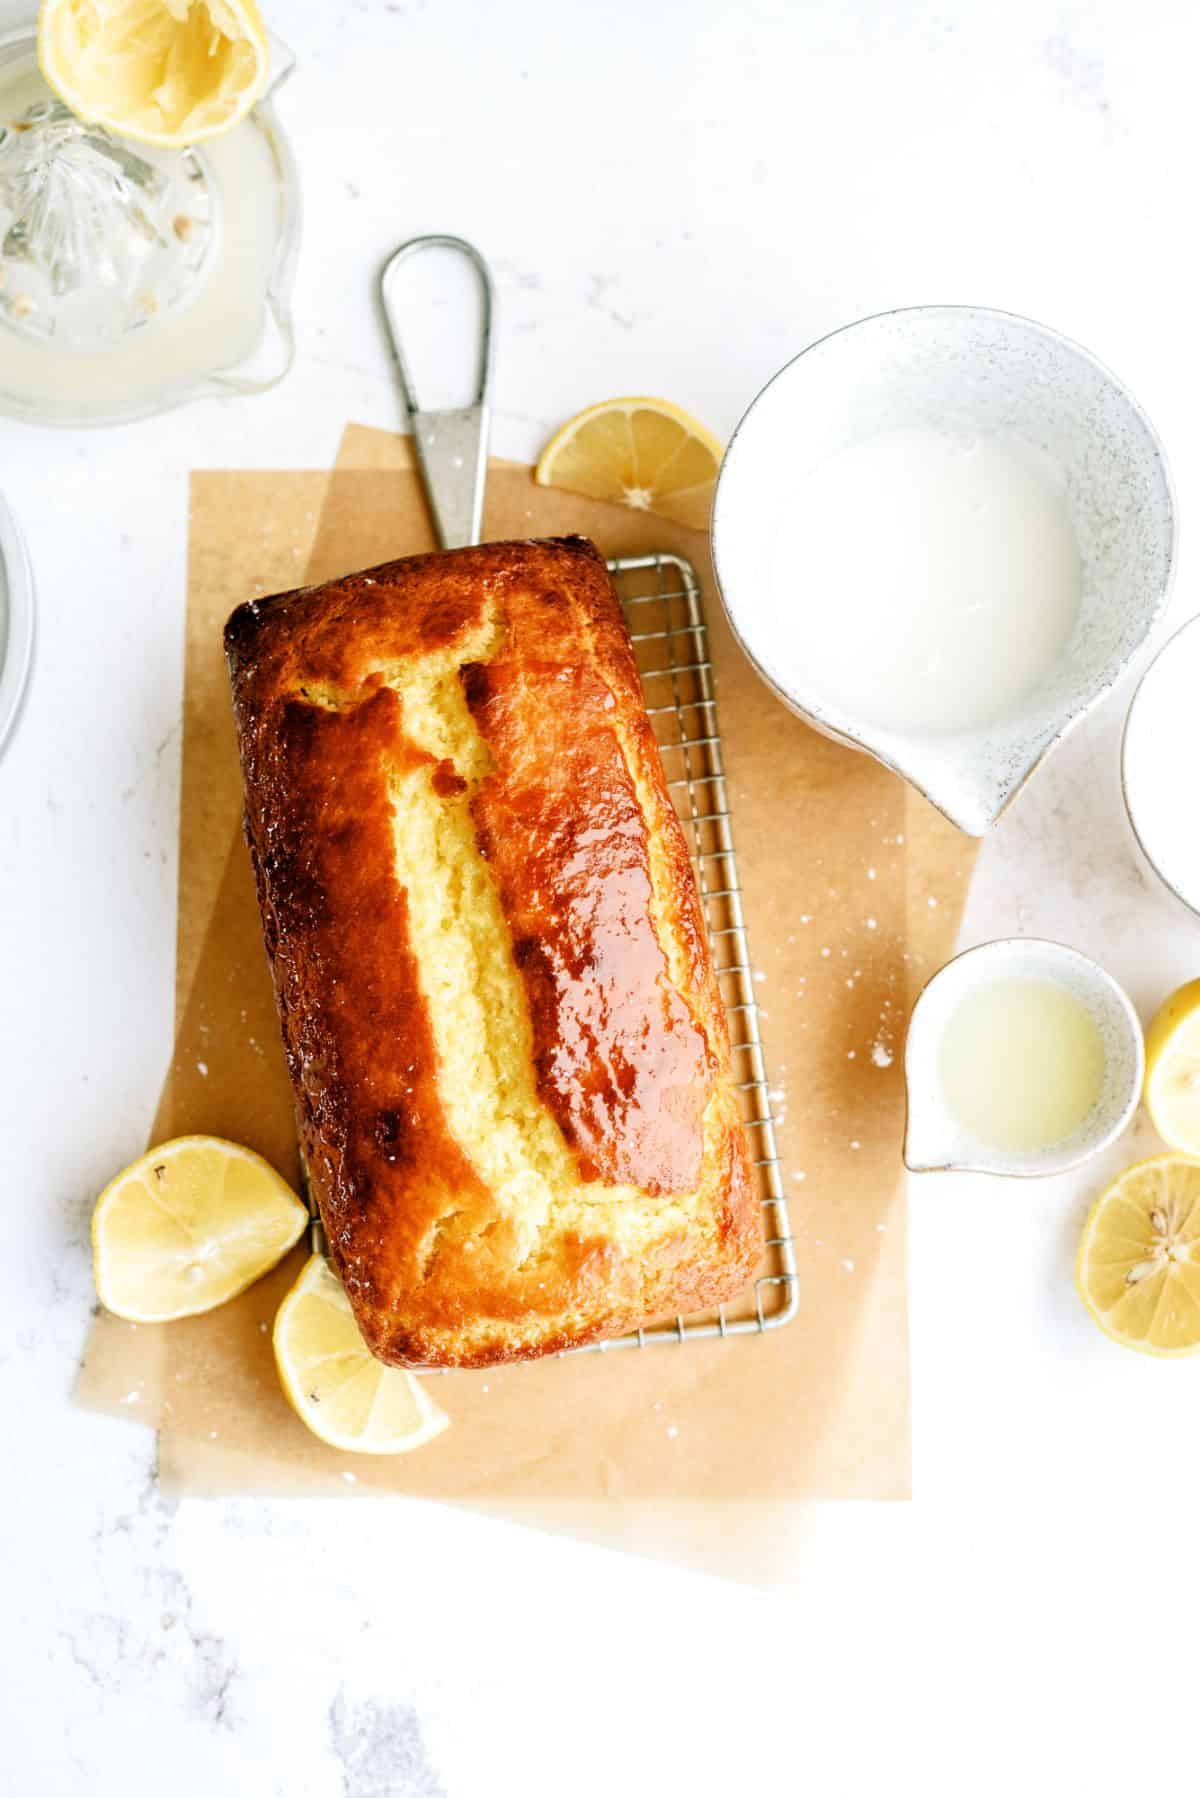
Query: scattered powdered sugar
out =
(799, 1174)
(848, 1264)
(202, 1069)
(672, 1430)
(881, 1055)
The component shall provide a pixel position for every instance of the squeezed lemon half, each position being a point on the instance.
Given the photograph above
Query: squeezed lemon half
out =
(167, 72)
(1138, 1269)
(334, 1383)
(188, 1226)
(644, 453)
(1172, 1089)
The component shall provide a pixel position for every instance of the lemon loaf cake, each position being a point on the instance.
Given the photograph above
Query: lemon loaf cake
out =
(509, 1054)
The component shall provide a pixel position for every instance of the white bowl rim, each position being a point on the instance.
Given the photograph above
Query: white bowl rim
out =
(1192, 905)
(1086, 702)
(16, 651)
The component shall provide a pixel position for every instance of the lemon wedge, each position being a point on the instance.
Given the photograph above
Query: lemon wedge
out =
(167, 72)
(188, 1226)
(1138, 1270)
(334, 1383)
(1172, 1089)
(644, 453)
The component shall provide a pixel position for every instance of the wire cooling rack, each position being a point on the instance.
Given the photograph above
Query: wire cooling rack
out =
(660, 595)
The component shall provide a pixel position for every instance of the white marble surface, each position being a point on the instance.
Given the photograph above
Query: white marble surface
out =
(675, 198)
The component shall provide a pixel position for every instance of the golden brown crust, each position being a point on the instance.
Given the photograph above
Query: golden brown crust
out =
(501, 1020)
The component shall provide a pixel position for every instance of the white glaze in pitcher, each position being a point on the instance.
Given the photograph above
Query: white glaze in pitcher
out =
(984, 376)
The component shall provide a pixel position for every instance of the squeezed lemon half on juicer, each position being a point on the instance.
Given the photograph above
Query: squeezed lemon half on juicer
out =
(168, 72)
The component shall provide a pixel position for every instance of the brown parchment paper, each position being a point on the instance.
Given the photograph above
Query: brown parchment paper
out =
(854, 889)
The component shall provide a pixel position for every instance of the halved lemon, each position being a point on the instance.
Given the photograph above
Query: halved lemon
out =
(644, 453)
(334, 1383)
(188, 1226)
(1138, 1270)
(1172, 1089)
(165, 72)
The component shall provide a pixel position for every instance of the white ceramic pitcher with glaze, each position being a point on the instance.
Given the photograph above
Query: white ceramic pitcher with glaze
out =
(980, 373)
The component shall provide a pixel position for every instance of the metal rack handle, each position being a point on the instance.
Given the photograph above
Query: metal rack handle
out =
(452, 444)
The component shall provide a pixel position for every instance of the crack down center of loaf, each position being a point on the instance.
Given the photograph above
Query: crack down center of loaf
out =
(473, 988)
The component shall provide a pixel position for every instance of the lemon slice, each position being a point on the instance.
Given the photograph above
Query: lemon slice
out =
(643, 453)
(189, 1225)
(334, 1383)
(1138, 1270)
(162, 71)
(1172, 1089)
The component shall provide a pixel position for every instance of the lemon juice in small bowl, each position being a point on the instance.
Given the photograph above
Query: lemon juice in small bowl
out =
(1021, 1063)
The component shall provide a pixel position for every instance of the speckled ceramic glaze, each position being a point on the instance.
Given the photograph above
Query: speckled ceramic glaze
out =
(969, 370)
(934, 1139)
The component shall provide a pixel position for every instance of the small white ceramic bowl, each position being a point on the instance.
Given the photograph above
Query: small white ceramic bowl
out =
(1158, 765)
(935, 1141)
(960, 369)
